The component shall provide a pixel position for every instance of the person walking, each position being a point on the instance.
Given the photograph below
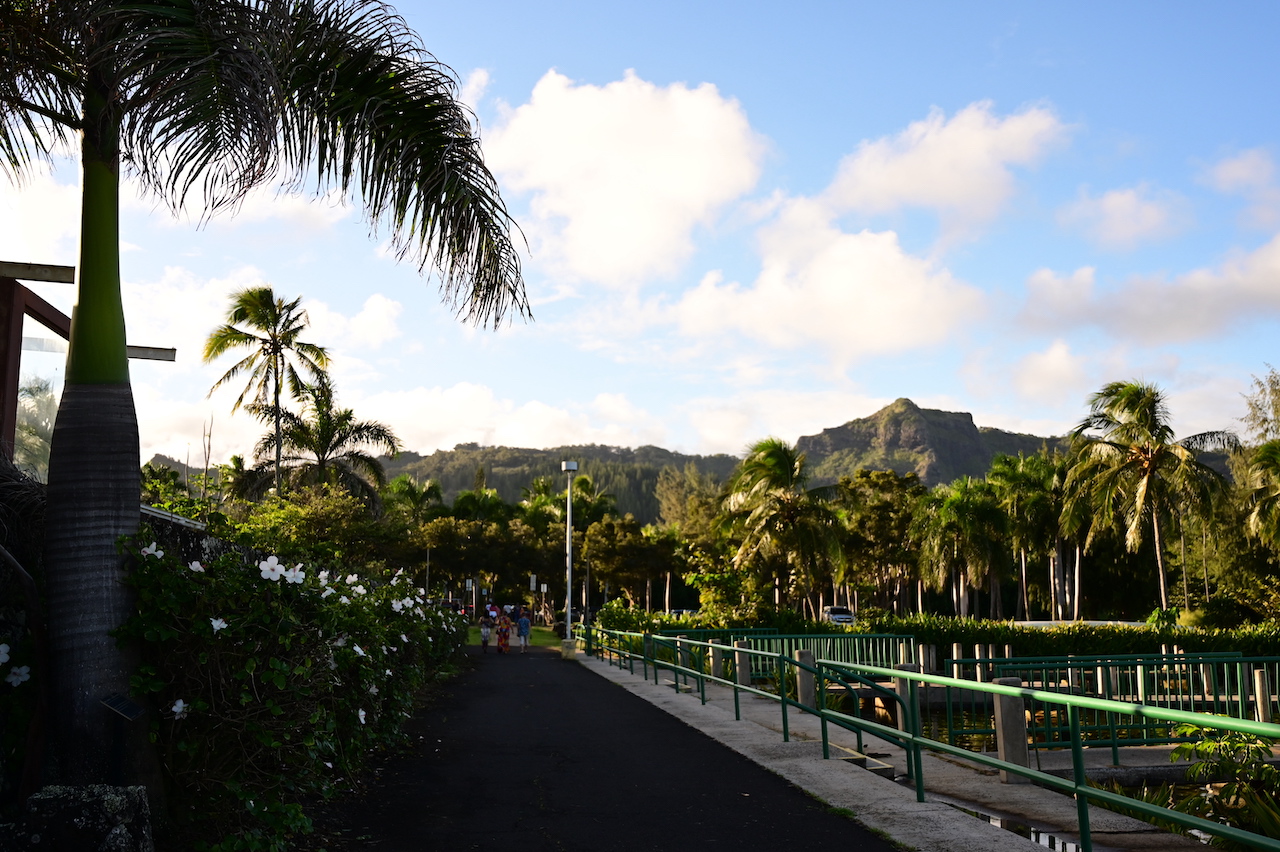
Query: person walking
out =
(486, 627)
(504, 633)
(523, 626)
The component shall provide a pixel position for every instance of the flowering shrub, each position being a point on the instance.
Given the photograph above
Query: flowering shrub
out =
(274, 681)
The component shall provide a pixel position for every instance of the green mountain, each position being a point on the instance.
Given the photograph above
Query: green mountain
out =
(629, 475)
(938, 446)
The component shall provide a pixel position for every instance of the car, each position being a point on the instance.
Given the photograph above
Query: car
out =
(837, 614)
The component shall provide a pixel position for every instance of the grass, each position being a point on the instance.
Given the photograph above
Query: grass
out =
(539, 637)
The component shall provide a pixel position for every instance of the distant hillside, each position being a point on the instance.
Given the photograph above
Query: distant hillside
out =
(939, 446)
(629, 475)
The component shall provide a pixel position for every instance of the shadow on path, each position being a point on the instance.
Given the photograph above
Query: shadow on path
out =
(530, 753)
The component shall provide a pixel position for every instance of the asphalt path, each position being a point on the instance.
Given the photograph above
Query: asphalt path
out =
(530, 752)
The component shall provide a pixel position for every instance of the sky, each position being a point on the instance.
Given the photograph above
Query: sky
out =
(741, 221)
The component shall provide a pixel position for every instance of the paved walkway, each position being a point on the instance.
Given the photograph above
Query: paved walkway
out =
(530, 752)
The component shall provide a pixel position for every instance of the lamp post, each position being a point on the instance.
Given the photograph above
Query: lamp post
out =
(568, 646)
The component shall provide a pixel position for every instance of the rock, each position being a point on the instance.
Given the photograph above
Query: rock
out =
(97, 818)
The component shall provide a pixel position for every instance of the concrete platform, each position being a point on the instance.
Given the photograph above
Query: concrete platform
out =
(952, 784)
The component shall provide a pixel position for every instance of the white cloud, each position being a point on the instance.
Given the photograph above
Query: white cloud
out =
(959, 168)
(40, 219)
(374, 325)
(1123, 218)
(621, 175)
(731, 424)
(427, 419)
(1051, 375)
(853, 294)
(1199, 304)
(474, 87)
(1250, 174)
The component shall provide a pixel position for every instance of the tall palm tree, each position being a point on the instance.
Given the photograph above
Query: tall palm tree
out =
(1025, 487)
(778, 520)
(270, 332)
(327, 445)
(420, 502)
(1264, 494)
(207, 99)
(1133, 473)
(962, 531)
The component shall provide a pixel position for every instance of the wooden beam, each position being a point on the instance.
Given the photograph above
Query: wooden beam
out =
(38, 272)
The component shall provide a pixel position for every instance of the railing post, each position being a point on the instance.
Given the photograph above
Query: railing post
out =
(979, 668)
(1011, 731)
(902, 686)
(717, 659)
(1261, 695)
(806, 687)
(742, 662)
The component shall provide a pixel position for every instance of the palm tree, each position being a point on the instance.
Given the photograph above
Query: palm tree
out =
(419, 502)
(216, 96)
(1025, 487)
(325, 445)
(1264, 494)
(962, 531)
(779, 522)
(1133, 474)
(271, 329)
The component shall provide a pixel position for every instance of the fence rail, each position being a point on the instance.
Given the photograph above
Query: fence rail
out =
(691, 664)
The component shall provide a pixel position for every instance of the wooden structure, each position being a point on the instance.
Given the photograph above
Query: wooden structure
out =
(17, 302)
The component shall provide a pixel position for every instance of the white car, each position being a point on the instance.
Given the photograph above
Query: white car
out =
(837, 614)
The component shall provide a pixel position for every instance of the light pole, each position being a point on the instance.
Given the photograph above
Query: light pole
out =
(568, 646)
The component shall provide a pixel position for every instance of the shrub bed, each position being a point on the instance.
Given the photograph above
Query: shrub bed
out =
(274, 682)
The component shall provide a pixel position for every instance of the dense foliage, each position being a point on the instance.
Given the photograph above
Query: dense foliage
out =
(275, 681)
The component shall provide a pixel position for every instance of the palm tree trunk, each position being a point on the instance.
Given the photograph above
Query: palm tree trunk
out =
(278, 357)
(1186, 589)
(94, 485)
(1204, 559)
(1159, 545)
(1022, 585)
(1075, 596)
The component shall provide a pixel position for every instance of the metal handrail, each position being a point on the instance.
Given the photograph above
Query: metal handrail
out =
(910, 737)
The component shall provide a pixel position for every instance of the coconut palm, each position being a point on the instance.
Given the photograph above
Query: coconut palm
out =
(327, 445)
(1133, 473)
(418, 502)
(270, 329)
(781, 524)
(203, 101)
(962, 531)
(1030, 492)
(1264, 493)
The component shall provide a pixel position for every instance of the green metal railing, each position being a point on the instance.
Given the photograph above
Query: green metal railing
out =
(688, 660)
(1214, 683)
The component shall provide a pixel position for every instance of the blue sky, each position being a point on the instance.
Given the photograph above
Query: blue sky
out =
(744, 220)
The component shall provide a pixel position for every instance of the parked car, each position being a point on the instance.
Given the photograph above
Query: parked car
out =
(837, 614)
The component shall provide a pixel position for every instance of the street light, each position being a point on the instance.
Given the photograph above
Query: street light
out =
(567, 647)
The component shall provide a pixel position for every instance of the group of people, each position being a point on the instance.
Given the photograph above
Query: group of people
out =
(501, 620)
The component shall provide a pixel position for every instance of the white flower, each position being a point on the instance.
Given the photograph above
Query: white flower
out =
(295, 574)
(353, 578)
(340, 642)
(344, 599)
(217, 624)
(271, 569)
(323, 577)
(361, 714)
(404, 638)
(152, 551)
(359, 590)
(397, 605)
(359, 651)
(418, 611)
(4, 653)
(328, 764)
(326, 593)
(18, 674)
(197, 567)
(373, 690)
(180, 709)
